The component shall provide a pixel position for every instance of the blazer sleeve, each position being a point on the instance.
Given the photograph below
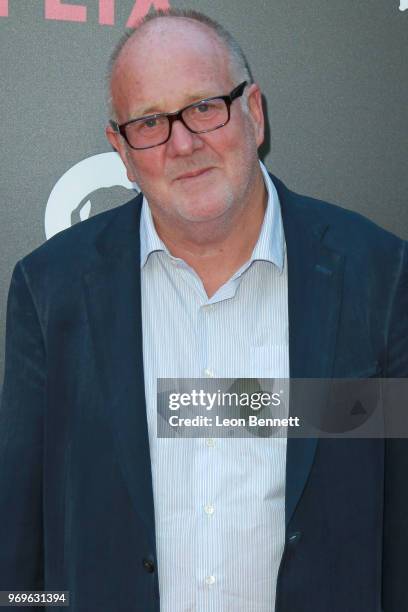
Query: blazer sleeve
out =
(21, 440)
(395, 543)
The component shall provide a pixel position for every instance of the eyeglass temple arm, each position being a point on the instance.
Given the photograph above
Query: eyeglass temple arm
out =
(114, 125)
(238, 91)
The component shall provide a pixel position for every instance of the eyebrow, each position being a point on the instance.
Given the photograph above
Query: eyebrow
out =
(155, 109)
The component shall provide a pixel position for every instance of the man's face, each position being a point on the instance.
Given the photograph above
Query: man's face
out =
(193, 178)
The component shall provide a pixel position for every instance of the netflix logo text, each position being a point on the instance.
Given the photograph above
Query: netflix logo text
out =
(59, 10)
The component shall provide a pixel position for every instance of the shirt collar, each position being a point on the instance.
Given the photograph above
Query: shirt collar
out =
(270, 243)
(149, 238)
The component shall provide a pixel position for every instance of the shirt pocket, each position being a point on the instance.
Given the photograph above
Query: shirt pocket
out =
(269, 362)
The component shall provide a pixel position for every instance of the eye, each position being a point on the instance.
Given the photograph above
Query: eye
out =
(203, 111)
(204, 107)
(150, 123)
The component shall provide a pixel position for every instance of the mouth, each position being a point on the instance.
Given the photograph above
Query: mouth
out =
(193, 174)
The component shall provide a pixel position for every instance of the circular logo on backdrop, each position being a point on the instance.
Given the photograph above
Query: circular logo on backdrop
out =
(71, 194)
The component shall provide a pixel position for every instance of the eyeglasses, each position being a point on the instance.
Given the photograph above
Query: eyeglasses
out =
(200, 117)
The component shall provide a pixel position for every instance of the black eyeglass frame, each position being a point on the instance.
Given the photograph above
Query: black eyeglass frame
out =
(178, 116)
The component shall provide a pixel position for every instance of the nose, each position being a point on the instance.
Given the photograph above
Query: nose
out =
(182, 141)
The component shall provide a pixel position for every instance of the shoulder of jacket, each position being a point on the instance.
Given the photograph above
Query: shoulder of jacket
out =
(345, 230)
(72, 247)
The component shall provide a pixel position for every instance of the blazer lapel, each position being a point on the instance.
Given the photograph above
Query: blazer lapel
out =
(315, 275)
(113, 296)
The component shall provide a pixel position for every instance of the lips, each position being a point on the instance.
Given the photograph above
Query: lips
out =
(193, 174)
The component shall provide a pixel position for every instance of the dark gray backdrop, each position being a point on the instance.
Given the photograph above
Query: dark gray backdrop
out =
(333, 74)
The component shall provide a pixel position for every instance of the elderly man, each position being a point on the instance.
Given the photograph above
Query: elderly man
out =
(216, 270)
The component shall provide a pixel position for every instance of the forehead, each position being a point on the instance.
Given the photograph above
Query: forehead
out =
(171, 63)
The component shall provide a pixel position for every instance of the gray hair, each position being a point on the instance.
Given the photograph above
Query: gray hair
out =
(240, 70)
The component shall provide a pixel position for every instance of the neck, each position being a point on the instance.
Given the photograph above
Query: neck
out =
(220, 248)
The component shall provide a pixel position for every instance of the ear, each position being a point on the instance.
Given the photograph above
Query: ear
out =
(118, 143)
(256, 112)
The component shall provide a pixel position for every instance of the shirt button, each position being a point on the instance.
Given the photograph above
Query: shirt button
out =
(210, 442)
(208, 307)
(210, 580)
(294, 538)
(209, 373)
(209, 509)
(148, 566)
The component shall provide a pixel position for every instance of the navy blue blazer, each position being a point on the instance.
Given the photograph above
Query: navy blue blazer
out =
(76, 501)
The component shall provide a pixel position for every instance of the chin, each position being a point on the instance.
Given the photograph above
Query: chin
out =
(204, 213)
(205, 208)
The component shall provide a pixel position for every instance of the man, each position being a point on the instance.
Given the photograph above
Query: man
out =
(218, 271)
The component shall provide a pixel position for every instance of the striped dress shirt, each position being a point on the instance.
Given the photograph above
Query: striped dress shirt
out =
(219, 503)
